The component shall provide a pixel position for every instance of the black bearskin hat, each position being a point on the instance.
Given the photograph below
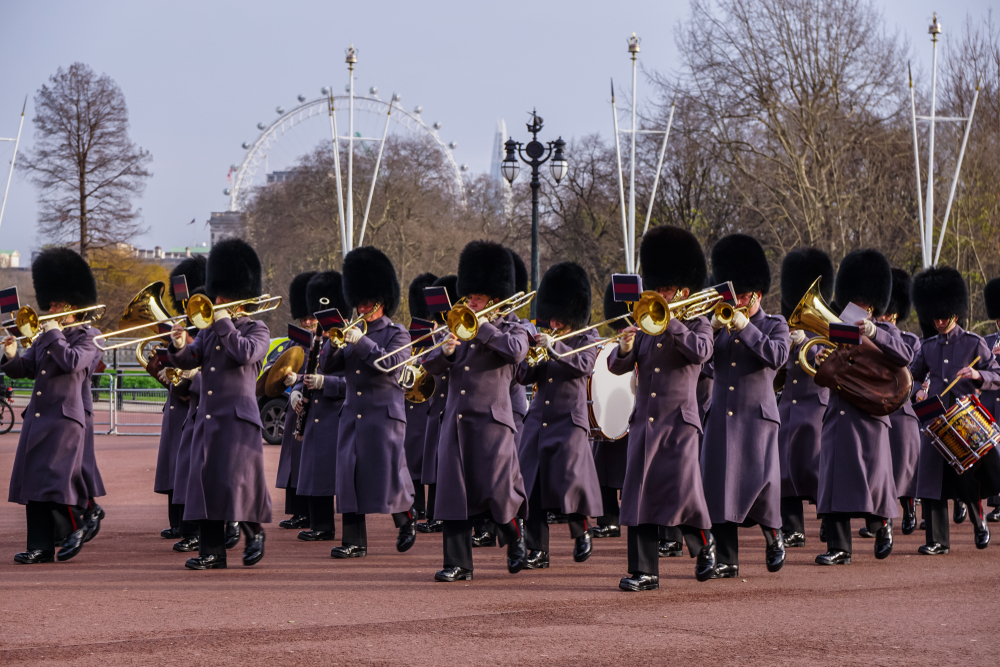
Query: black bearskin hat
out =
(991, 295)
(297, 296)
(672, 257)
(564, 295)
(450, 284)
(740, 259)
(60, 275)
(370, 276)
(233, 271)
(940, 293)
(486, 268)
(864, 276)
(800, 268)
(614, 308)
(520, 273)
(418, 306)
(324, 291)
(899, 302)
(193, 269)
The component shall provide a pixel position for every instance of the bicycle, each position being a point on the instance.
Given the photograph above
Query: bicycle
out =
(6, 409)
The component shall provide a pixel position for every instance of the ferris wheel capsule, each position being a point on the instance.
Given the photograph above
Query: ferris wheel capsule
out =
(322, 91)
(418, 109)
(246, 145)
(396, 97)
(373, 90)
(302, 98)
(227, 192)
(453, 145)
(279, 109)
(436, 126)
(261, 126)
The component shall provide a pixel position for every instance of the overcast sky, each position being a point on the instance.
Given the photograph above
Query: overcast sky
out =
(198, 76)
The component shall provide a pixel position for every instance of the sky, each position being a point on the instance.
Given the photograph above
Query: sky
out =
(199, 76)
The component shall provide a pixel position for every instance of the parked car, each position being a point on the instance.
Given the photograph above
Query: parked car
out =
(272, 410)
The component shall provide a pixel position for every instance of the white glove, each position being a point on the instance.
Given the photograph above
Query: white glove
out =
(798, 336)
(49, 325)
(352, 335)
(545, 340)
(869, 328)
(996, 348)
(178, 336)
(10, 347)
(187, 375)
(313, 381)
(291, 379)
(740, 321)
(482, 320)
(223, 314)
(295, 400)
(716, 324)
(162, 375)
(626, 342)
(449, 347)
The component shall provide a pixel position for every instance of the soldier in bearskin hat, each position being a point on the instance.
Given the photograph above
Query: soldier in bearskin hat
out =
(478, 474)
(226, 476)
(317, 470)
(941, 297)
(175, 411)
(48, 476)
(739, 456)
(556, 463)
(663, 483)
(291, 448)
(372, 477)
(435, 408)
(855, 462)
(416, 413)
(803, 402)
(991, 399)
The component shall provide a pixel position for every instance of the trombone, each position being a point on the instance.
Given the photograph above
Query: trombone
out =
(201, 311)
(538, 354)
(28, 322)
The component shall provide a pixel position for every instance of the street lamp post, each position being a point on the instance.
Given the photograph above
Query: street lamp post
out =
(534, 154)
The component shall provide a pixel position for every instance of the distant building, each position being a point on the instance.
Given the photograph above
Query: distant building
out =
(171, 256)
(224, 225)
(280, 176)
(10, 259)
(499, 152)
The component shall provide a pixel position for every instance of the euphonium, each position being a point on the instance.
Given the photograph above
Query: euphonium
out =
(173, 374)
(142, 317)
(812, 314)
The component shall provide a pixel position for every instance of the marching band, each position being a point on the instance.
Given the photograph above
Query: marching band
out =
(701, 414)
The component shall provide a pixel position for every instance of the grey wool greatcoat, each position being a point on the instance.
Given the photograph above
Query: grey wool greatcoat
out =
(91, 474)
(477, 465)
(226, 479)
(518, 395)
(990, 399)
(739, 455)
(290, 457)
(801, 409)
(413, 443)
(855, 461)
(904, 436)
(318, 465)
(554, 451)
(662, 476)
(432, 431)
(174, 415)
(942, 356)
(183, 465)
(372, 477)
(48, 462)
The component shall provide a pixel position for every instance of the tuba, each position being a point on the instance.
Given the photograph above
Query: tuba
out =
(860, 374)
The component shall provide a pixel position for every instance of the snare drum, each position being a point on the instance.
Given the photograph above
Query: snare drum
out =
(964, 434)
(610, 398)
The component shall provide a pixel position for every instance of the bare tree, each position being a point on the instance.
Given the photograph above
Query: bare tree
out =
(84, 163)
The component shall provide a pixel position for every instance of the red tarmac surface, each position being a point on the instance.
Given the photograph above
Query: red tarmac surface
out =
(127, 600)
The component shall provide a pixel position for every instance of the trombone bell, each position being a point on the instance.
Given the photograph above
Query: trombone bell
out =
(651, 313)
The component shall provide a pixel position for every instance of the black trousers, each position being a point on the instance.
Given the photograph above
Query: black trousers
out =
(609, 496)
(670, 534)
(793, 518)
(727, 540)
(938, 519)
(643, 554)
(838, 529)
(356, 530)
(213, 538)
(50, 523)
(993, 501)
(431, 496)
(419, 503)
(536, 528)
(295, 504)
(457, 534)
(321, 514)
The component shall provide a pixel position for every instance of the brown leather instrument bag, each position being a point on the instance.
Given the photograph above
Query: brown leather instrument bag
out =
(863, 377)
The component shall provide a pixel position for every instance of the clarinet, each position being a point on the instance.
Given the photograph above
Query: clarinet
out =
(300, 419)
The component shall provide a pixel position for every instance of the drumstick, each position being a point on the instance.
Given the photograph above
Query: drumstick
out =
(948, 388)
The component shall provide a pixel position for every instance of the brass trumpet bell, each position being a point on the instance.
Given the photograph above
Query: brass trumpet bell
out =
(145, 311)
(813, 314)
(337, 335)
(651, 313)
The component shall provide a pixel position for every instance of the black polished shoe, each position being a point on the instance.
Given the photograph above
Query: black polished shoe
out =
(418, 515)
(232, 534)
(864, 532)
(187, 544)
(883, 541)
(834, 558)
(209, 562)
(484, 539)
(724, 571)
(669, 549)
(935, 549)
(349, 551)
(170, 533)
(961, 512)
(430, 527)
(909, 523)
(706, 562)
(598, 532)
(317, 535)
(254, 549)
(296, 521)
(994, 516)
(407, 536)
(794, 540)
(32, 557)
(923, 524)
(92, 522)
(774, 556)
(537, 560)
(822, 531)
(583, 548)
(517, 554)
(639, 582)
(982, 537)
(71, 545)
(453, 574)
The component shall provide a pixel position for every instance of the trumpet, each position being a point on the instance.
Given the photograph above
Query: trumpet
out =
(538, 354)
(337, 335)
(726, 313)
(28, 322)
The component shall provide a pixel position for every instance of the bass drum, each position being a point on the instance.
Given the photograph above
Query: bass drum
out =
(610, 398)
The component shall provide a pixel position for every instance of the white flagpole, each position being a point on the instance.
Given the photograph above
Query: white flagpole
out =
(916, 159)
(631, 185)
(929, 207)
(378, 162)
(621, 185)
(656, 179)
(17, 142)
(351, 59)
(336, 171)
